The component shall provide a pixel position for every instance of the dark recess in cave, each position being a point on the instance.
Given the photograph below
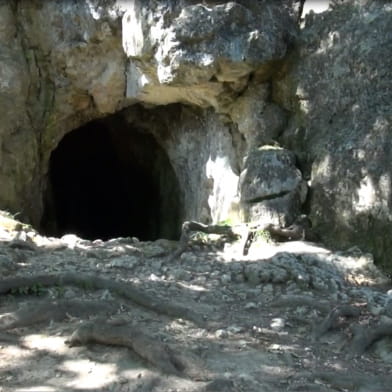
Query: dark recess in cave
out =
(108, 179)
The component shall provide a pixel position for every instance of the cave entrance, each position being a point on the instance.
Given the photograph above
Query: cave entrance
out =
(108, 179)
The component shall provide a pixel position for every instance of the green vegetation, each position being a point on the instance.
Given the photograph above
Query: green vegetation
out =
(263, 236)
(36, 289)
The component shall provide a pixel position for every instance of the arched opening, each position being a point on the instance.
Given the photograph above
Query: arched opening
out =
(108, 179)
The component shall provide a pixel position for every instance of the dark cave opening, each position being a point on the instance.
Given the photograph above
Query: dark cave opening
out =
(108, 179)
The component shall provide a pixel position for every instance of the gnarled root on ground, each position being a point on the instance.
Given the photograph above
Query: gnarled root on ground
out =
(45, 311)
(333, 318)
(162, 356)
(364, 337)
(123, 289)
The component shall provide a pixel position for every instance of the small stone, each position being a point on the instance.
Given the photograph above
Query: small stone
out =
(250, 305)
(225, 278)
(268, 289)
(277, 324)
(154, 278)
(239, 278)
(128, 262)
(375, 310)
(182, 275)
(221, 333)
(234, 329)
(69, 293)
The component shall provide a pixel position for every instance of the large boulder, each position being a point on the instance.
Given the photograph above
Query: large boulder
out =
(272, 188)
(338, 90)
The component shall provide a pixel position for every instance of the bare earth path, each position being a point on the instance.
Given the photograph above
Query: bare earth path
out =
(121, 315)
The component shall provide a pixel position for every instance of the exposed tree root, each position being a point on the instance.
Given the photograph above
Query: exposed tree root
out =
(39, 311)
(158, 354)
(350, 381)
(123, 289)
(301, 300)
(332, 319)
(294, 232)
(364, 337)
(190, 226)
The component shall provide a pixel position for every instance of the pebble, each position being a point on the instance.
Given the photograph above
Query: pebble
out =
(277, 324)
(250, 305)
(221, 333)
(225, 278)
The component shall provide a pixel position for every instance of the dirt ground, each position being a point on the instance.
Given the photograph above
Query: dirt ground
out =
(287, 317)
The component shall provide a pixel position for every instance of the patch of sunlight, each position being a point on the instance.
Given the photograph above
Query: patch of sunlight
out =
(366, 195)
(323, 168)
(89, 374)
(303, 100)
(277, 348)
(135, 373)
(301, 247)
(54, 344)
(224, 187)
(271, 250)
(316, 6)
(36, 388)
(13, 351)
(193, 287)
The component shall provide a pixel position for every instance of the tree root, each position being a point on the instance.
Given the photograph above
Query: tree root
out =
(37, 312)
(364, 337)
(332, 319)
(190, 226)
(355, 381)
(301, 300)
(123, 289)
(156, 353)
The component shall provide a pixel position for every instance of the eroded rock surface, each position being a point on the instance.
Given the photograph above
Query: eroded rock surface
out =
(272, 188)
(203, 54)
(337, 90)
(252, 77)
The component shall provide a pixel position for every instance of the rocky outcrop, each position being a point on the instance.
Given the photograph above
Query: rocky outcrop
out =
(55, 76)
(211, 82)
(203, 53)
(337, 90)
(67, 64)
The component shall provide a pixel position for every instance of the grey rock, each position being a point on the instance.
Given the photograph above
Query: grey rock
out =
(225, 278)
(221, 333)
(388, 307)
(270, 172)
(203, 51)
(277, 324)
(128, 262)
(250, 306)
(272, 186)
(340, 128)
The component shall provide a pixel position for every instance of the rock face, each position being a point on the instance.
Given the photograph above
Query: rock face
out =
(202, 53)
(271, 186)
(338, 91)
(66, 65)
(210, 83)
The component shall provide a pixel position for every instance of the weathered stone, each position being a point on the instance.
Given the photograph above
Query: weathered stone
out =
(271, 186)
(259, 120)
(269, 172)
(337, 91)
(202, 54)
(334, 96)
